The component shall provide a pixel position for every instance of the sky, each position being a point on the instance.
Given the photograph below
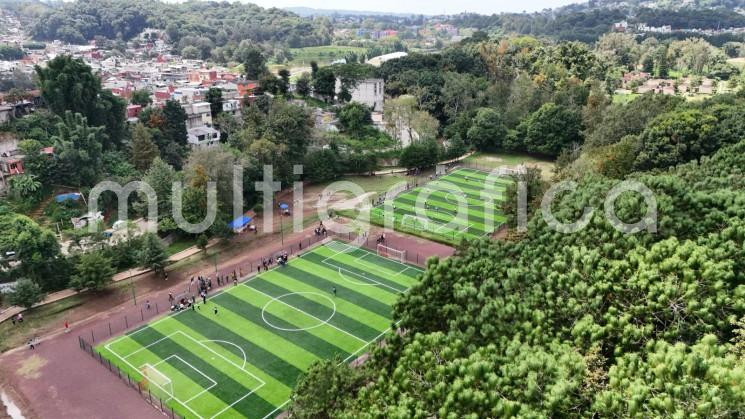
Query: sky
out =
(428, 7)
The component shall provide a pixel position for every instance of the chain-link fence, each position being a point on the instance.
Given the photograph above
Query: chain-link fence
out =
(132, 383)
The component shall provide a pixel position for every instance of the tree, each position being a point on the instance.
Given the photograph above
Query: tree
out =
(398, 114)
(420, 155)
(153, 255)
(676, 137)
(425, 125)
(141, 97)
(26, 293)
(214, 97)
(254, 63)
(551, 129)
(283, 84)
(488, 131)
(320, 392)
(202, 242)
(93, 271)
(25, 186)
(303, 85)
(355, 117)
(68, 84)
(322, 165)
(36, 249)
(142, 148)
(324, 83)
(160, 176)
(174, 129)
(79, 150)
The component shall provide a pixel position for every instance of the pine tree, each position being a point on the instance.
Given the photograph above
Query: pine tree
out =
(142, 149)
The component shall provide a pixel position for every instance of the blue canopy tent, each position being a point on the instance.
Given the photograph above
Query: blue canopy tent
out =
(67, 197)
(240, 223)
(283, 206)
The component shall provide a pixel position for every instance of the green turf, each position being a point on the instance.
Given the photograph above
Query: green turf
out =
(462, 204)
(244, 361)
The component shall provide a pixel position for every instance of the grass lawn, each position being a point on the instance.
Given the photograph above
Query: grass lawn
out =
(622, 99)
(179, 245)
(243, 360)
(322, 55)
(489, 161)
(432, 210)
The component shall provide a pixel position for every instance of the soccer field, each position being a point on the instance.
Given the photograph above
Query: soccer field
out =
(436, 216)
(244, 361)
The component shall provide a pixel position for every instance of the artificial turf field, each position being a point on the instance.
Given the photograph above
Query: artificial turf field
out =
(436, 216)
(244, 361)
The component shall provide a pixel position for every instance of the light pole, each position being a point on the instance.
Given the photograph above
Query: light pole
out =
(132, 286)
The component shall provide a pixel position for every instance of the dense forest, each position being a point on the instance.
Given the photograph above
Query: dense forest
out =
(596, 323)
(205, 24)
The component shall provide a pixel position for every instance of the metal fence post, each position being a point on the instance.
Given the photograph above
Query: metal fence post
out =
(93, 338)
(142, 315)
(126, 322)
(110, 329)
(156, 309)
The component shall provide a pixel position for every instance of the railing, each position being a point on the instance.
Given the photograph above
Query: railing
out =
(132, 383)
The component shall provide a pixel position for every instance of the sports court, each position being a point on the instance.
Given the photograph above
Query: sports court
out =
(431, 210)
(333, 301)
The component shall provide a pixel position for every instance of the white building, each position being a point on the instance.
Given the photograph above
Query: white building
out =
(203, 137)
(370, 92)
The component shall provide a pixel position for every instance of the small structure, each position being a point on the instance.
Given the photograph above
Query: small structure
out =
(203, 137)
(369, 92)
(84, 220)
(240, 224)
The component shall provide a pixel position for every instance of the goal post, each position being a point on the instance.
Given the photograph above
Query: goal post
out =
(391, 253)
(156, 381)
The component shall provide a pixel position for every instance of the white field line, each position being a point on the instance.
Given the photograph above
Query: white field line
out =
(307, 314)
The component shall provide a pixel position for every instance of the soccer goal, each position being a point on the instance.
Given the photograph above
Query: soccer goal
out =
(152, 376)
(391, 253)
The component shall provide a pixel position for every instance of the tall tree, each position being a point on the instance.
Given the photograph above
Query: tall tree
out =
(79, 150)
(142, 149)
(214, 97)
(153, 255)
(68, 84)
(254, 63)
(93, 271)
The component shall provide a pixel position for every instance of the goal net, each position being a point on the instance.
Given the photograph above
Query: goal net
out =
(156, 380)
(391, 253)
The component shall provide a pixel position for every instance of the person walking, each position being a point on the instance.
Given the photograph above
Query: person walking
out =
(147, 304)
(215, 308)
(67, 327)
(333, 291)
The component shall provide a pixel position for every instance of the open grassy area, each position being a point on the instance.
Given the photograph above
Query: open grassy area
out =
(462, 204)
(322, 55)
(240, 354)
(489, 161)
(37, 322)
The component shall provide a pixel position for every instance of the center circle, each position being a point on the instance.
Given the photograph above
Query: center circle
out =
(278, 300)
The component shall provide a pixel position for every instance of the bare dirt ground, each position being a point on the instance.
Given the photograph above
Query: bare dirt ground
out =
(59, 380)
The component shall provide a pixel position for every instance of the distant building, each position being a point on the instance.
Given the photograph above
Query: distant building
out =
(379, 60)
(370, 92)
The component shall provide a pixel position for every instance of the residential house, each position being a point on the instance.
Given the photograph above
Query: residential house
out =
(232, 107)
(203, 137)
(198, 114)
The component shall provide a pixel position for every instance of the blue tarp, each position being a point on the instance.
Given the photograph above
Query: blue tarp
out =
(283, 206)
(239, 222)
(67, 197)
